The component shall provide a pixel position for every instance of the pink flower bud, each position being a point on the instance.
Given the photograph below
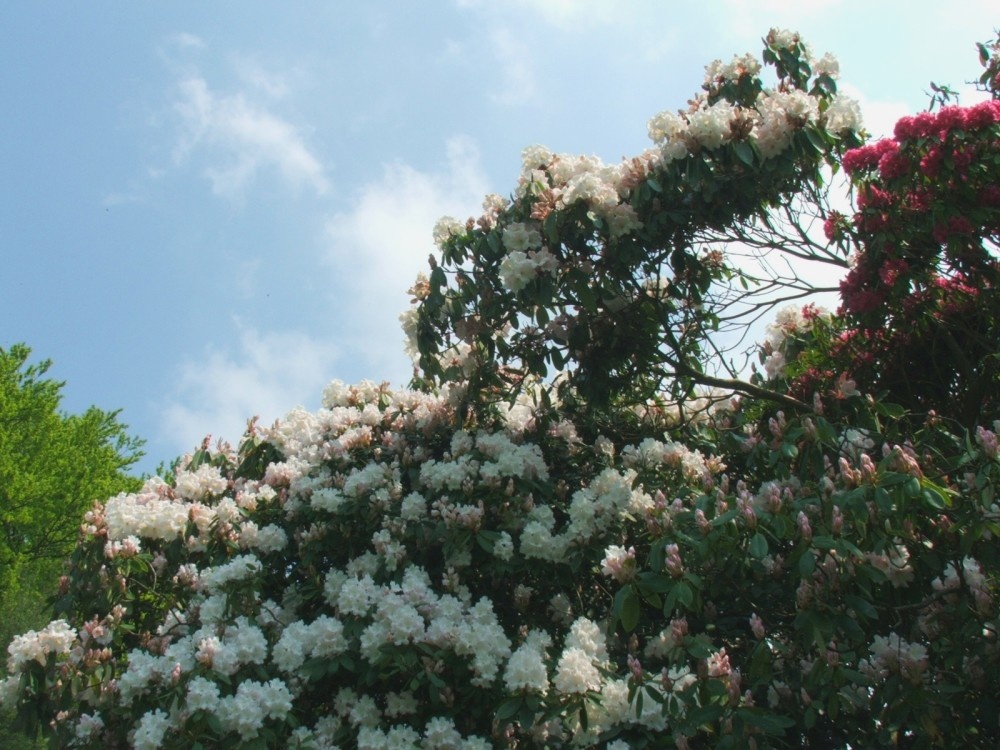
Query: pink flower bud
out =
(805, 529)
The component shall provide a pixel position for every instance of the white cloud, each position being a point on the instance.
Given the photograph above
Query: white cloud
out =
(271, 84)
(239, 139)
(516, 76)
(267, 375)
(188, 41)
(380, 244)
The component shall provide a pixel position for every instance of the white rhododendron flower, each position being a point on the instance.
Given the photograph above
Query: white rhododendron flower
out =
(518, 268)
(843, 115)
(710, 126)
(526, 668)
(446, 228)
(576, 672)
(204, 482)
(520, 237)
(55, 638)
(783, 38)
(151, 730)
(736, 68)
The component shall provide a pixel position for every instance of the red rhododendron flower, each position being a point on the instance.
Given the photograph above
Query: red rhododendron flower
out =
(831, 227)
(983, 115)
(950, 118)
(893, 164)
(931, 163)
(891, 270)
(918, 126)
(918, 200)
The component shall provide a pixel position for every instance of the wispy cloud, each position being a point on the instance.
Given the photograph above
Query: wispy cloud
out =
(378, 246)
(185, 40)
(238, 139)
(265, 375)
(250, 71)
(517, 79)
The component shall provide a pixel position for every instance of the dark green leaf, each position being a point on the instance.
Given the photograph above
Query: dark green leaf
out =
(807, 564)
(630, 611)
(861, 606)
(768, 722)
(744, 152)
(509, 708)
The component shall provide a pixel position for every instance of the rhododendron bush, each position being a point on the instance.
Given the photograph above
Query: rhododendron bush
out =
(569, 533)
(923, 292)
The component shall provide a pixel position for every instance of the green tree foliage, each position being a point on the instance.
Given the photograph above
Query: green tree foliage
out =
(53, 465)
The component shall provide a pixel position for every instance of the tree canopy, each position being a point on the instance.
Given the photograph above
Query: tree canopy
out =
(582, 526)
(53, 465)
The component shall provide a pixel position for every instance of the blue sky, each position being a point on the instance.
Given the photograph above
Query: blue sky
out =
(210, 210)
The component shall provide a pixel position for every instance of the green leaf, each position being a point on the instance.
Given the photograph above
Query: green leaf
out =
(816, 140)
(862, 606)
(893, 478)
(758, 546)
(893, 411)
(789, 450)
(809, 718)
(495, 245)
(725, 518)
(551, 228)
(653, 583)
(509, 708)
(685, 595)
(438, 279)
(588, 297)
(630, 611)
(670, 603)
(767, 722)
(807, 564)
(694, 579)
(935, 496)
(744, 152)
(825, 542)
(487, 540)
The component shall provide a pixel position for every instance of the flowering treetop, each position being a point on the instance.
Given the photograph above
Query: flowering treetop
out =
(925, 279)
(595, 272)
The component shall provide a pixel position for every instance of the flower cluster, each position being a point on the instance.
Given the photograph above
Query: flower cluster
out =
(924, 273)
(56, 638)
(450, 562)
(247, 634)
(934, 181)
